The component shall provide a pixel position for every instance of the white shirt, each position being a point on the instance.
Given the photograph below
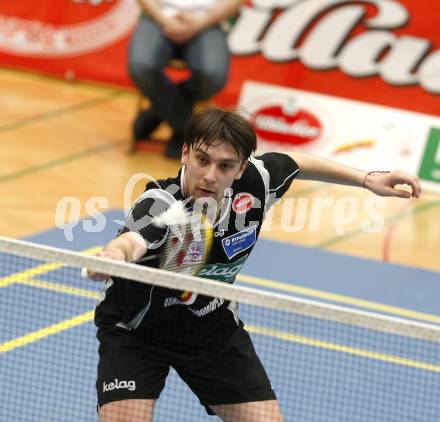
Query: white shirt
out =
(199, 7)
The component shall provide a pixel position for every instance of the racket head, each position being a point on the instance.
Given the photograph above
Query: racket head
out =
(188, 246)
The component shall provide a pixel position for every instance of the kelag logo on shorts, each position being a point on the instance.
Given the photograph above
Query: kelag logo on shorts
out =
(239, 242)
(223, 272)
(118, 385)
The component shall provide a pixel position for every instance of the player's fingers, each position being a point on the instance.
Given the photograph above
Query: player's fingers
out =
(401, 193)
(417, 188)
(401, 178)
(98, 276)
(413, 182)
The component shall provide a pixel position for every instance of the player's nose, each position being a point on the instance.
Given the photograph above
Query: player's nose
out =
(210, 175)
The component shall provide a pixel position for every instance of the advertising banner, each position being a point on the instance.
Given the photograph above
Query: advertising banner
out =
(328, 60)
(356, 133)
(75, 39)
(380, 51)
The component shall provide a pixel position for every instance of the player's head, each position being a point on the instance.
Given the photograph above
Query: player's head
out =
(212, 126)
(217, 146)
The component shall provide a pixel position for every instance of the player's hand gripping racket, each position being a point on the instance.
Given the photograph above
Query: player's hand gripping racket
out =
(188, 243)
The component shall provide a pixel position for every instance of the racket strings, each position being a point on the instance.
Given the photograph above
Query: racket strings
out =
(186, 251)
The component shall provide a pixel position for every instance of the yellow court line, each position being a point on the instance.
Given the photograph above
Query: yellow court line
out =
(339, 298)
(89, 315)
(344, 349)
(47, 331)
(28, 273)
(60, 288)
(24, 275)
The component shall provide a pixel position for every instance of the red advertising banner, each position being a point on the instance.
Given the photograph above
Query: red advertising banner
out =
(379, 51)
(83, 39)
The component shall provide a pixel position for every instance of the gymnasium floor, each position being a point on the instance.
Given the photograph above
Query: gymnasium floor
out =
(63, 139)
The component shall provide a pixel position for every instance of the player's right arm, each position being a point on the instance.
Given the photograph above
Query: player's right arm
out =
(128, 247)
(138, 233)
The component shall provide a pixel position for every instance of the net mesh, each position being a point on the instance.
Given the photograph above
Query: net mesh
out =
(325, 363)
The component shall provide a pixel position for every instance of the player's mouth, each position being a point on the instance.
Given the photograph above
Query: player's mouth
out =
(206, 192)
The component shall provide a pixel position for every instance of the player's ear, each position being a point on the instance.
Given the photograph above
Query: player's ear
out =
(185, 153)
(243, 166)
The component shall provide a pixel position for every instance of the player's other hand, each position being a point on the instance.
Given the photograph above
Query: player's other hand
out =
(115, 254)
(384, 184)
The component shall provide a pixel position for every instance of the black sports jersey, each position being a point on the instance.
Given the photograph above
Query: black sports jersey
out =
(134, 305)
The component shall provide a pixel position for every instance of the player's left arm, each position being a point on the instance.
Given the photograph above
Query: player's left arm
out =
(317, 168)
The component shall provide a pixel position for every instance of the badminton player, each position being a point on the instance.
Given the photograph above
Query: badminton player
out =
(144, 330)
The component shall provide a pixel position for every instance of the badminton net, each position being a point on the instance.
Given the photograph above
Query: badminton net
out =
(325, 363)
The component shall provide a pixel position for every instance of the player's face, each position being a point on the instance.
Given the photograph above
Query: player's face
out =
(211, 169)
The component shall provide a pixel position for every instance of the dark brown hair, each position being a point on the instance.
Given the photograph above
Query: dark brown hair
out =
(212, 125)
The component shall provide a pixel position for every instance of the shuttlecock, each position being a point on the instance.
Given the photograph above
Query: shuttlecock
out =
(176, 214)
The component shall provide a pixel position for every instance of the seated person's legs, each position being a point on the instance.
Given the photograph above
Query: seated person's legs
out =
(149, 53)
(208, 58)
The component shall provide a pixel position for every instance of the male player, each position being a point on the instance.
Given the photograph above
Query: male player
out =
(143, 330)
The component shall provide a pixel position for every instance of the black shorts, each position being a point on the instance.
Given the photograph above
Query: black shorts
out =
(233, 374)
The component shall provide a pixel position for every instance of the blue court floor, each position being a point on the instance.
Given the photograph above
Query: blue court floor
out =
(321, 371)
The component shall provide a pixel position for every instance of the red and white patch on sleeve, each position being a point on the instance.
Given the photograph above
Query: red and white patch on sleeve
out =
(242, 202)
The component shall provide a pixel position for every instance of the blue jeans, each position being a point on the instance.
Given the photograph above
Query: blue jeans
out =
(206, 55)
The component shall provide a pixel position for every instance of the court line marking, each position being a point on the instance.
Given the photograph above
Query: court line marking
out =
(255, 281)
(23, 278)
(389, 233)
(342, 348)
(61, 288)
(59, 112)
(25, 275)
(28, 273)
(52, 79)
(58, 287)
(338, 298)
(392, 219)
(89, 316)
(60, 161)
(47, 331)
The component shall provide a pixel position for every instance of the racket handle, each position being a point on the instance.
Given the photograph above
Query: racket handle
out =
(148, 258)
(84, 270)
